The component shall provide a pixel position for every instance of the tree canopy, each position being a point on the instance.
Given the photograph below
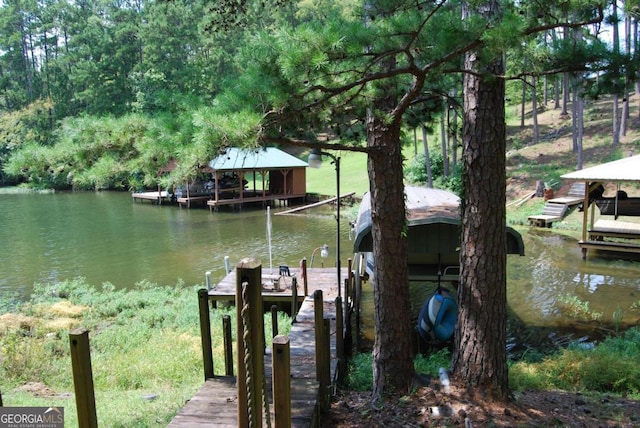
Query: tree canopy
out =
(130, 85)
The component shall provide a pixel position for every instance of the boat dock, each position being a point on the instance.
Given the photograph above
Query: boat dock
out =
(216, 404)
(158, 197)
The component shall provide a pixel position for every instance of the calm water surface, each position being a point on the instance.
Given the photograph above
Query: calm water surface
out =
(105, 237)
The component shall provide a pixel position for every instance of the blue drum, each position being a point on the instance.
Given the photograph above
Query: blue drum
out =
(438, 317)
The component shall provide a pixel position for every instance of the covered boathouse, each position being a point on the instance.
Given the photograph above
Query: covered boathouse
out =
(239, 176)
(614, 226)
(262, 175)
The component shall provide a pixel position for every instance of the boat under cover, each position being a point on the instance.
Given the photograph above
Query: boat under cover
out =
(433, 217)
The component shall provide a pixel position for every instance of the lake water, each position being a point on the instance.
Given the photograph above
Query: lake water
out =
(106, 237)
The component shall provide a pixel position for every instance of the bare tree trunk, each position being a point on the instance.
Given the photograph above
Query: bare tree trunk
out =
(574, 118)
(480, 357)
(579, 101)
(443, 141)
(454, 145)
(616, 96)
(523, 102)
(534, 109)
(427, 159)
(627, 82)
(565, 93)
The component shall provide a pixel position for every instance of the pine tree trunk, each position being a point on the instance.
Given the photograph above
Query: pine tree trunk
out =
(427, 157)
(480, 359)
(392, 352)
(534, 109)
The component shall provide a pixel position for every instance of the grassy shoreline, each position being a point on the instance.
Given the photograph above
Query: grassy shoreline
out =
(145, 349)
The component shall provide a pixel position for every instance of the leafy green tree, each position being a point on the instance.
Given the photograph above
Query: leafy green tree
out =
(362, 68)
(366, 67)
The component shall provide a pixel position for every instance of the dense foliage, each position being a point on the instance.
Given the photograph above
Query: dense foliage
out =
(317, 74)
(102, 95)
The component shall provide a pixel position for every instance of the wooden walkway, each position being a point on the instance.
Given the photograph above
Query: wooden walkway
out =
(254, 198)
(215, 404)
(277, 288)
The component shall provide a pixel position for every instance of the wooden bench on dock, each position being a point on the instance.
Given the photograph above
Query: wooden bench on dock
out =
(552, 212)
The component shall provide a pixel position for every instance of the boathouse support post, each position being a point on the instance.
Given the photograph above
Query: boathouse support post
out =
(228, 345)
(281, 381)
(250, 340)
(205, 332)
(83, 378)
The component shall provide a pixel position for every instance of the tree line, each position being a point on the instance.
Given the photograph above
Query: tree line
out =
(167, 60)
(112, 90)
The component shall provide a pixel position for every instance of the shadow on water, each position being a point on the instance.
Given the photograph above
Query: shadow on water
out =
(554, 297)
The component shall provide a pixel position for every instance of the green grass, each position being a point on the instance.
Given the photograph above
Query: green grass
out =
(353, 175)
(612, 367)
(145, 343)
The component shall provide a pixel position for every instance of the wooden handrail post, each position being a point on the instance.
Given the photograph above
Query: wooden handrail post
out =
(304, 277)
(340, 354)
(281, 381)
(323, 350)
(205, 333)
(347, 285)
(274, 321)
(228, 345)
(318, 316)
(83, 378)
(324, 364)
(249, 272)
(294, 299)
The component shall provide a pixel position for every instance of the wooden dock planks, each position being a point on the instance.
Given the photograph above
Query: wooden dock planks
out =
(214, 405)
(157, 196)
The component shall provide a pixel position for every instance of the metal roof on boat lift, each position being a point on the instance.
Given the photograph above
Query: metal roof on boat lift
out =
(626, 169)
(426, 207)
(235, 159)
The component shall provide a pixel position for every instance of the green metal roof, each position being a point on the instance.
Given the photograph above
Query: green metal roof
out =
(261, 159)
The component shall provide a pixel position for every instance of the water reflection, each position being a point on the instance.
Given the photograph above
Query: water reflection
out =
(105, 237)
